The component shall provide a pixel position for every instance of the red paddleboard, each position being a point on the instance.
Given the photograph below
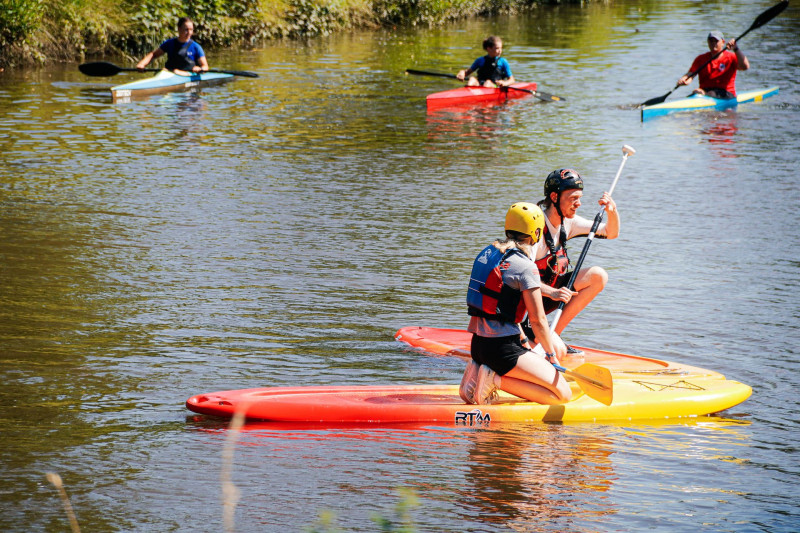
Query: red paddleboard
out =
(456, 342)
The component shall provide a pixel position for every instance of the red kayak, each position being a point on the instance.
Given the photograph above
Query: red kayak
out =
(479, 95)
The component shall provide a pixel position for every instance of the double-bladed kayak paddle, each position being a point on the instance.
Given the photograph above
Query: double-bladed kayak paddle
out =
(103, 68)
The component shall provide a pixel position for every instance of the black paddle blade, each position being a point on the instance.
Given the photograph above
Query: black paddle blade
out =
(244, 73)
(429, 73)
(547, 96)
(656, 100)
(99, 68)
(769, 14)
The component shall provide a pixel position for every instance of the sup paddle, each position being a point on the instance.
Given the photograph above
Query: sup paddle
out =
(103, 68)
(762, 19)
(598, 218)
(547, 97)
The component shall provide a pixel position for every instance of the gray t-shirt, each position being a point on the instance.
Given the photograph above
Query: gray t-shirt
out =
(522, 275)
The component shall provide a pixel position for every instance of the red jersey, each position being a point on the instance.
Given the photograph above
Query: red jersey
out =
(720, 73)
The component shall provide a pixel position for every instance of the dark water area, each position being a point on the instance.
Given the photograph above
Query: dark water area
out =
(278, 231)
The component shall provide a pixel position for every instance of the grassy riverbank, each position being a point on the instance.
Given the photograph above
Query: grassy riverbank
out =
(41, 31)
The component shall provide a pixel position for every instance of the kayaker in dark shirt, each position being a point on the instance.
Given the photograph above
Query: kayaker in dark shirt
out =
(183, 54)
(491, 70)
(718, 78)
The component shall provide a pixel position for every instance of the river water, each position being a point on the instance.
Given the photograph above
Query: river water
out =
(278, 231)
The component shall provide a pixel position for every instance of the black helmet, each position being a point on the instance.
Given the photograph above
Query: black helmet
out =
(562, 180)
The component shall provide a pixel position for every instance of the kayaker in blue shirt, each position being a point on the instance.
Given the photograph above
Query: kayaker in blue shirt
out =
(183, 54)
(490, 70)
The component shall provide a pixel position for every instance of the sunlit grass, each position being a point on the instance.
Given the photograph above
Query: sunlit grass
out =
(38, 31)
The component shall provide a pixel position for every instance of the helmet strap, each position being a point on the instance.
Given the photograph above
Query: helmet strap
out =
(557, 205)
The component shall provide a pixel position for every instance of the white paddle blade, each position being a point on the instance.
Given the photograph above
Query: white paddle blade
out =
(628, 150)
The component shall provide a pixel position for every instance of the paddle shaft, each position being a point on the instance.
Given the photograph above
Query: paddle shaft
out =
(760, 20)
(626, 151)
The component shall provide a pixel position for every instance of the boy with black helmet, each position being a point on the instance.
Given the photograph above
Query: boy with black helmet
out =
(563, 191)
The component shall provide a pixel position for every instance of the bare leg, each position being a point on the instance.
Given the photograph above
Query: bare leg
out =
(589, 283)
(472, 82)
(535, 379)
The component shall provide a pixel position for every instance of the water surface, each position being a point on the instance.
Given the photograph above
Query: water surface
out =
(278, 231)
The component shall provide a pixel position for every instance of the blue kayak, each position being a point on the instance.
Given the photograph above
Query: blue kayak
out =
(166, 81)
(695, 102)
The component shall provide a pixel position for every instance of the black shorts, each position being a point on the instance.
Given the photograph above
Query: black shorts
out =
(498, 353)
(719, 93)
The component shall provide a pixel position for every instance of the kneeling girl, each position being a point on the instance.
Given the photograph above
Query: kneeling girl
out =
(504, 287)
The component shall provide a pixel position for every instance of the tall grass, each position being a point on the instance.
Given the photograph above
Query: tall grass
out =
(39, 31)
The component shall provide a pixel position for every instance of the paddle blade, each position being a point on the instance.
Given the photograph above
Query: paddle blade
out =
(244, 73)
(595, 381)
(429, 73)
(769, 14)
(548, 97)
(99, 68)
(656, 100)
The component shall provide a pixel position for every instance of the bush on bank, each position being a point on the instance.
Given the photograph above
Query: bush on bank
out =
(38, 31)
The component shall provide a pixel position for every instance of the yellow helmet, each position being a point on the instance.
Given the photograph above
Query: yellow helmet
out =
(527, 218)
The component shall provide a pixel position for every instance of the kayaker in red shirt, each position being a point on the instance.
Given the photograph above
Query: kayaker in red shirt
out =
(718, 78)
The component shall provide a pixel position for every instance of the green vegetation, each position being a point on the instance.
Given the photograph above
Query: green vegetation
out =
(402, 522)
(38, 31)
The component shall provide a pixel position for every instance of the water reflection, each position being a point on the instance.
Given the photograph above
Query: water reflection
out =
(536, 477)
(482, 121)
(524, 476)
(188, 112)
(721, 132)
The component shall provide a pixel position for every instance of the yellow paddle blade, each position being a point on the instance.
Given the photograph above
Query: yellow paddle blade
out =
(595, 381)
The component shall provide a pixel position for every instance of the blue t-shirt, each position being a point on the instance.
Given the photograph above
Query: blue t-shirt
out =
(180, 55)
(502, 66)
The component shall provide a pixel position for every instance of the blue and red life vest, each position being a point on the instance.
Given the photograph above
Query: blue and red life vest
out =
(487, 295)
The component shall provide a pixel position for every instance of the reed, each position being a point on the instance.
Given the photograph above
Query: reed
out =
(55, 480)
(230, 492)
